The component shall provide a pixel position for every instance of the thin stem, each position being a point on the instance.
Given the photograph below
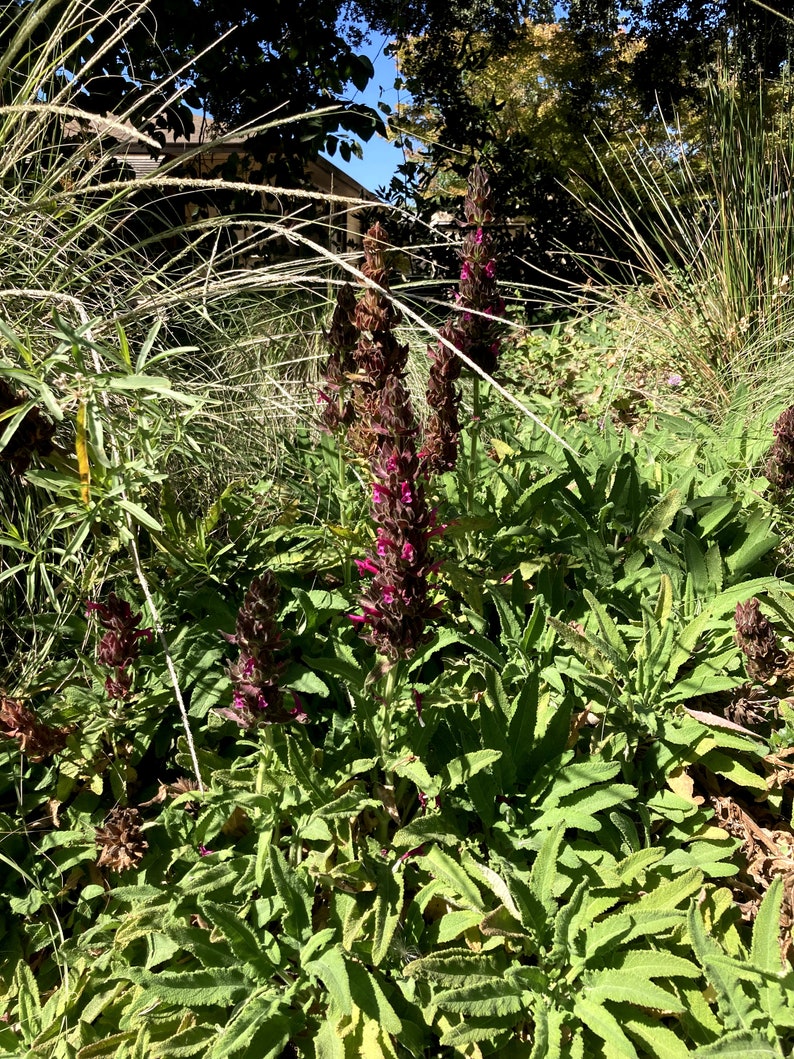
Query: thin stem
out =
(475, 435)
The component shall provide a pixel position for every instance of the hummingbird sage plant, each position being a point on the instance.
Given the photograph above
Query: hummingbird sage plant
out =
(395, 604)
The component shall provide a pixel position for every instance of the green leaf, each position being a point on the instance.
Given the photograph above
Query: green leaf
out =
(462, 768)
(445, 867)
(741, 1044)
(496, 997)
(613, 645)
(259, 1028)
(734, 1003)
(219, 986)
(331, 967)
(660, 1042)
(629, 987)
(658, 520)
(656, 963)
(294, 891)
(604, 1024)
(29, 1002)
(765, 948)
(388, 910)
(455, 966)
(243, 941)
(140, 515)
(544, 870)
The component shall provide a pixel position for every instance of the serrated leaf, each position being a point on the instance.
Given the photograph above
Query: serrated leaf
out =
(544, 870)
(462, 768)
(656, 963)
(765, 947)
(604, 1024)
(660, 1042)
(486, 998)
(444, 867)
(293, 890)
(629, 987)
(658, 520)
(260, 1017)
(332, 969)
(388, 909)
(242, 939)
(221, 985)
(455, 966)
(612, 645)
(741, 1044)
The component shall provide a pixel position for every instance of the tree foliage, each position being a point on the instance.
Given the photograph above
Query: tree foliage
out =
(539, 100)
(233, 59)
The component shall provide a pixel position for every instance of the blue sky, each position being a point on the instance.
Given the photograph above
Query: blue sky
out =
(381, 157)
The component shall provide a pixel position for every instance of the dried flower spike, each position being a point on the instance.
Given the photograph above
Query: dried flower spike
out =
(36, 739)
(121, 840)
(757, 640)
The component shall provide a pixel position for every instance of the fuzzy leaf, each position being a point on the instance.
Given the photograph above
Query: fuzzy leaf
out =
(655, 963)
(445, 867)
(628, 986)
(242, 939)
(462, 768)
(388, 909)
(739, 1045)
(604, 1024)
(260, 1027)
(544, 870)
(659, 1041)
(495, 997)
(456, 966)
(765, 950)
(735, 1005)
(294, 891)
(220, 986)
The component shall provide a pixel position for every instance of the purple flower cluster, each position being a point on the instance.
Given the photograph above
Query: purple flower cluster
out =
(780, 466)
(119, 646)
(365, 352)
(473, 330)
(478, 297)
(395, 603)
(258, 699)
(342, 337)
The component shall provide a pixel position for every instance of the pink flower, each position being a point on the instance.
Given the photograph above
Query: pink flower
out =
(378, 493)
(465, 272)
(387, 595)
(357, 619)
(366, 566)
(478, 236)
(405, 493)
(490, 269)
(409, 552)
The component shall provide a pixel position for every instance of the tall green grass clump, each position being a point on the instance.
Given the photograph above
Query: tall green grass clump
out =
(705, 221)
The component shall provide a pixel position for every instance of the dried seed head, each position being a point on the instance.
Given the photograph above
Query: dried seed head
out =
(757, 640)
(36, 739)
(121, 840)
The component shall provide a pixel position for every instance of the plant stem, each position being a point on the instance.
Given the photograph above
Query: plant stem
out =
(475, 434)
(388, 695)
